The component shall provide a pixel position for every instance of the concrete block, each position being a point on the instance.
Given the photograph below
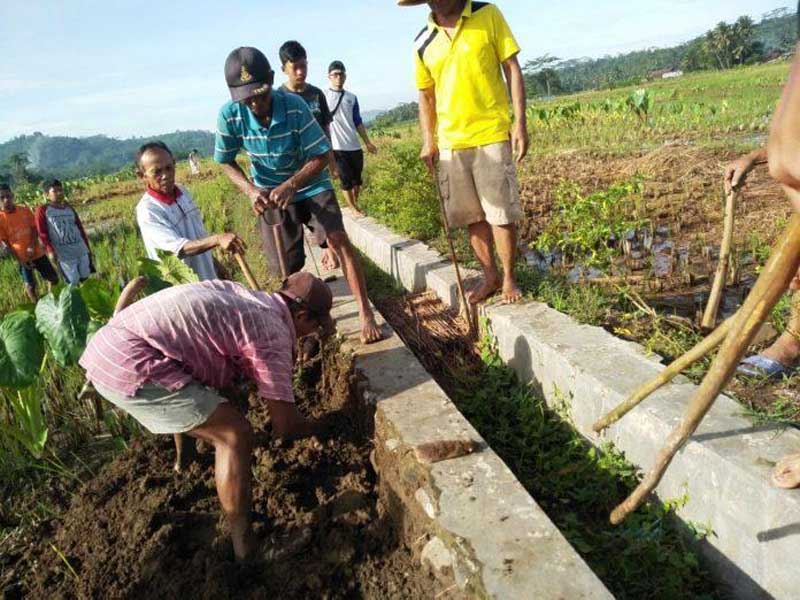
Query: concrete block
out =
(724, 469)
(483, 529)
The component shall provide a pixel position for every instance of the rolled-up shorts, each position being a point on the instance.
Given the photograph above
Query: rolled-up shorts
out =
(480, 184)
(350, 164)
(321, 213)
(75, 271)
(45, 268)
(162, 411)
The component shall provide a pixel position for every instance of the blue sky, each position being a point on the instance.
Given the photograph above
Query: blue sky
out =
(127, 68)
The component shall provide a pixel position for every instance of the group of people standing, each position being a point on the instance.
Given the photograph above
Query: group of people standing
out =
(53, 235)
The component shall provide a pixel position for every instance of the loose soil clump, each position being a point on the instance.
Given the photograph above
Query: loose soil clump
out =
(138, 530)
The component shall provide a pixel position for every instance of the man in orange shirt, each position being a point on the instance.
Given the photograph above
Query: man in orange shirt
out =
(18, 233)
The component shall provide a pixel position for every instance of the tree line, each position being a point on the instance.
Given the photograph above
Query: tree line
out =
(725, 46)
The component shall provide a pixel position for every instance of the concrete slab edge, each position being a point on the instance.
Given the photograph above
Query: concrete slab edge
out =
(723, 472)
(467, 518)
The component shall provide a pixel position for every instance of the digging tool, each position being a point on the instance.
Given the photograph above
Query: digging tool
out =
(664, 377)
(278, 239)
(248, 274)
(770, 286)
(721, 276)
(465, 306)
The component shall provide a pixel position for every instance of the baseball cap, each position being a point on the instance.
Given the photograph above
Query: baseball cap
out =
(313, 294)
(336, 65)
(247, 73)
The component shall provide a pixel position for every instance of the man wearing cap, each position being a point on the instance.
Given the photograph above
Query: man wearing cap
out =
(288, 153)
(460, 58)
(166, 359)
(346, 126)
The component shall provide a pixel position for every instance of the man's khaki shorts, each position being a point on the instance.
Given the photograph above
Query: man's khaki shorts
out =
(480, 184)
(162, 411)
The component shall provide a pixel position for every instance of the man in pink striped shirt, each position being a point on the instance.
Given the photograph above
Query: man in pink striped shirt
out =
(165, 359)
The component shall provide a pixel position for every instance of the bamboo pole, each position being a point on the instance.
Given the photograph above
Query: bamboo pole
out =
(681, 363)
(772, 283)
(721, 276)
(465, 307)
(248, 274)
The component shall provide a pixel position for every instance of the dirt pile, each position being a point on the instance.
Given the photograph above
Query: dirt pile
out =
(139, 531)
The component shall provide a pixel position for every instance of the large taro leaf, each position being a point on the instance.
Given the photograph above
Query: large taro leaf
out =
(100, 299)
(174, 270)
(63, 320)
(21, 350)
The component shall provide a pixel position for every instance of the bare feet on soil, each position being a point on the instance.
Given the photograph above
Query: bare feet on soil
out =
(370, 332)
(487, 288)
(329, 261)
(786, 474)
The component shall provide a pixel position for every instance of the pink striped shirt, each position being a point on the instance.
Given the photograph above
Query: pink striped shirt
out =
(208, 332)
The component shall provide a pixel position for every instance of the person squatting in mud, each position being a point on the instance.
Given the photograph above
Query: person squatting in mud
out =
(167, 358)
(288, 153)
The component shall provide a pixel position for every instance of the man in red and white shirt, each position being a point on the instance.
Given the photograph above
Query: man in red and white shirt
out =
(165, 359)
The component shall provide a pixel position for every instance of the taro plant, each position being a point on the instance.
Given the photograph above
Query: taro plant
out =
(640, 102)
(583, 227)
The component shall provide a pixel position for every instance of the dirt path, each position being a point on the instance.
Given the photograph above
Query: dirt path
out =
(139, 531)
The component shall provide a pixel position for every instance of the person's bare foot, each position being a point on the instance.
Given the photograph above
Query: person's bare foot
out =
(329, 260)
(487, 288)
(786, 474)
(370, 332)
(511, 291)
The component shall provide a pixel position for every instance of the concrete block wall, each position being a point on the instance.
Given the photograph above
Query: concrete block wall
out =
(724, 469)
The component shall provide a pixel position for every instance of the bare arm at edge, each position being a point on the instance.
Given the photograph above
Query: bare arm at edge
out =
(516, 83)
(427, 122)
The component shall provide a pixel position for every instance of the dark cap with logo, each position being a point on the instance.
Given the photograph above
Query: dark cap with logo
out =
(336, 65)
(313, 294)
(247, 73)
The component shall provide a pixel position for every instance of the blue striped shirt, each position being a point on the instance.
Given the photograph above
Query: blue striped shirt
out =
(276, 152)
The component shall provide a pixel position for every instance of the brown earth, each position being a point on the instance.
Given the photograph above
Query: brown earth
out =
(682, 189)
(138, 530)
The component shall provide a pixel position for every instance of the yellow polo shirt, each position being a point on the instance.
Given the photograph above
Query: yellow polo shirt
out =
(472, 103)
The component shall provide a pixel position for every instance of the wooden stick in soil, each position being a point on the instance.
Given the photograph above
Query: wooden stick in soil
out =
(248, 274)
(721, 276)
(770, 286)
(676, 367)
(465, 307)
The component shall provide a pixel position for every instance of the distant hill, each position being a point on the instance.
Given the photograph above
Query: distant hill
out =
(369, 115)
(405, 111)
(774, 35)
(69, 157)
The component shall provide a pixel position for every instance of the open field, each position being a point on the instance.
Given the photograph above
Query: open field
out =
(598, 170)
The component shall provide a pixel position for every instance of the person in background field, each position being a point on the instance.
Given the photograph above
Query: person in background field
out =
(170, 220)
(194, 162)
(166, 359)
(288, 153)
(346, 127)
(63, 236)
(783, 151)
(18, 234)
(780, 358)
(460, 58)
(294, 63)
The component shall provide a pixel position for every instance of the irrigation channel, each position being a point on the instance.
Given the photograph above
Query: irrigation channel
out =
(576, 485)
(138, 530)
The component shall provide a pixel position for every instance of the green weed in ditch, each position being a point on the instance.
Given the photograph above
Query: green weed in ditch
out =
(578, 485)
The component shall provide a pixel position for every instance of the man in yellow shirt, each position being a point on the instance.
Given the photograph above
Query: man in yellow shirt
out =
(460, 59)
